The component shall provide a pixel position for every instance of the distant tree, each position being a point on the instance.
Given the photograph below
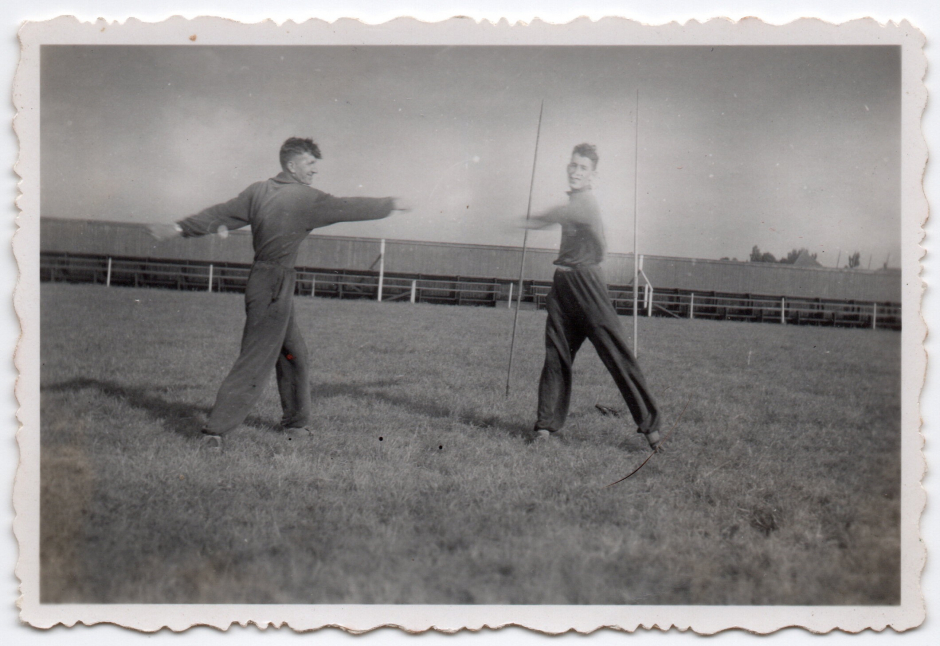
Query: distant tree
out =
(727, 258)
(794, 254)
(758, 256)
(854, 260)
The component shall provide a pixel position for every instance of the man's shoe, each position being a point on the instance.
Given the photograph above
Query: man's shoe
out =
(655, 441)
(538, 435)
(545, 437)
(211, 441)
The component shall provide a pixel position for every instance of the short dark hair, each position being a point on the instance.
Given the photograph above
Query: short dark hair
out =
(587, 150)
(297, 146)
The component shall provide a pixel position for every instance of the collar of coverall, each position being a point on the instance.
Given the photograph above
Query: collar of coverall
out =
(285, 178)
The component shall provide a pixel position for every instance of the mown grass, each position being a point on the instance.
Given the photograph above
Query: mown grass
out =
(780, 485)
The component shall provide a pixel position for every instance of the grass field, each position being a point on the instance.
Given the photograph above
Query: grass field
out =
(780, 484)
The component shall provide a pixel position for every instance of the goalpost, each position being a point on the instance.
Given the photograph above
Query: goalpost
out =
(381, 268)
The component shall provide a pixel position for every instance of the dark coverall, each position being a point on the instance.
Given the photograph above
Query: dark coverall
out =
(578, 308)
(281, 213)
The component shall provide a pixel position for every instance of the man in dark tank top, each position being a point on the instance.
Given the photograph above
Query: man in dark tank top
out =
(579, 308)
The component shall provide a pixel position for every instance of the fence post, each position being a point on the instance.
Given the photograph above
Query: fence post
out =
(381, 267)
(692, 306)
(107, 281)
(874, 316)
(649, 305)
(313, 285)
(210, 277)
(414, 290)
(509, 302)
(783, 310)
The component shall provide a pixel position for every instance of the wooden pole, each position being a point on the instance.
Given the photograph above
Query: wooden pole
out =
(509, 301)
(381, 267)
(783, 310)
(414, 290)
(525, 239)
(692, 306)
(210, 277)
(874, 316)
(636, 268)
(107, 280)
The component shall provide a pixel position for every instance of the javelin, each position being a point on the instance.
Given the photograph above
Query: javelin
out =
(525, 239)
(636, 157)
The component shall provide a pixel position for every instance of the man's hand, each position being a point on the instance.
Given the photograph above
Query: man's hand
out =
(401, 205)
(533, 222)
(164, 231)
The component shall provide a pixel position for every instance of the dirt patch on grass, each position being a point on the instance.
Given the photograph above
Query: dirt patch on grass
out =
(67, 485)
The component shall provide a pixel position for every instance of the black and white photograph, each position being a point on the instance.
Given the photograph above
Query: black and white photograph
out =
(557, 322)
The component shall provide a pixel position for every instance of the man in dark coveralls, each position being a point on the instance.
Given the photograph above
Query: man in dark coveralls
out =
(281, 212)
(579, 307)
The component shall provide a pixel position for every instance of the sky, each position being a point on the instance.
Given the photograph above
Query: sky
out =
(779, 147)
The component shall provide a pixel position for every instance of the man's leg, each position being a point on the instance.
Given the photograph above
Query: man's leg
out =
(606, 333)
(563, 338)
(293, 379)
(268, 310)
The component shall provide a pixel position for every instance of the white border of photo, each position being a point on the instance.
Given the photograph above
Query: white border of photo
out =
(549, 619)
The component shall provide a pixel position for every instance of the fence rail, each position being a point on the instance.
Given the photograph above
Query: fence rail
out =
(457, 290)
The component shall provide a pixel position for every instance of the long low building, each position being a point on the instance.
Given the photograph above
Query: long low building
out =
(92, 237)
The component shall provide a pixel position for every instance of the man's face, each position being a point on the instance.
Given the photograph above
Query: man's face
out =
(580, 172)
(303, 167)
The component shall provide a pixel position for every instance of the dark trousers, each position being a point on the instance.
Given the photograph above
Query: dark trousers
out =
(579, 308)
(271, 339)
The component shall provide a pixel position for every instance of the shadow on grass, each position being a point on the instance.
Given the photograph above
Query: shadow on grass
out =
(182, 418)
(418, 407)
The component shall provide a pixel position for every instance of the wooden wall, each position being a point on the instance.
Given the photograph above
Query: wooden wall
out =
(444, 259)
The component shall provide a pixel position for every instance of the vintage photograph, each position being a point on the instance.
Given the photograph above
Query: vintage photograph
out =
(482, 324)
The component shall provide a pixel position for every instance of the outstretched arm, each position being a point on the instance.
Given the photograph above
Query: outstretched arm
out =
(215, 219)
(356, 209)
(581, 213)
(228, 215)
(544, 220)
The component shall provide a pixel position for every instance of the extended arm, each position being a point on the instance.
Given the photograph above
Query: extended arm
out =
(557, 215)
(354, 209)
(221, 217)
(581, 211)
(231, 215)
